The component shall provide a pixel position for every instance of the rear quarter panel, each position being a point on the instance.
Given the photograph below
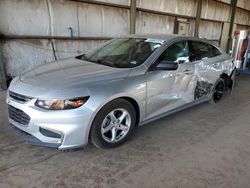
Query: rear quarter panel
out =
(211, 69)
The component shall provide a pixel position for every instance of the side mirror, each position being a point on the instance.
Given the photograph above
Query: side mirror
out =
(166, 65)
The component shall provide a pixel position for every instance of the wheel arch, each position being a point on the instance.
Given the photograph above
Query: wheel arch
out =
(227, 81)
(135, 105)
(131, 100)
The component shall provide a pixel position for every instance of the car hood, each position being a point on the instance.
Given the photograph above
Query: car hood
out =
(72, 73)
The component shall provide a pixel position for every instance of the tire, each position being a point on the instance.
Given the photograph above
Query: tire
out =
(232, 82)
(218, 91)
(113, 124)
(232, 86)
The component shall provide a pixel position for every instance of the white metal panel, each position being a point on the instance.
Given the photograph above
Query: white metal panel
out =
(242, 27)
(208, 9)
(186, 7)
(115, 21)
(66, 49)
(32, 18)
(89, 14)
(183, 7)
(23, 55)
(24, 17)
(153, 23)
(215, 10)
(249, 18)
(119, 2)
(210, 30)
(241, 16)
(245, 4)
(63, 14)
(222, 12)
(96, 20)
(226, 1)
(241, 3)
(192, 27)
(224, 35)
(248, 6)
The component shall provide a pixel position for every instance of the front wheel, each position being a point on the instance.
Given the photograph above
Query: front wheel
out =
(113, 124)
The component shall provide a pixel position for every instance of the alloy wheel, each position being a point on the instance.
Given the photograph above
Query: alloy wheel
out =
(116, 125)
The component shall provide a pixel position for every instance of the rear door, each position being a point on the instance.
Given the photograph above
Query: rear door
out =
(207, 67)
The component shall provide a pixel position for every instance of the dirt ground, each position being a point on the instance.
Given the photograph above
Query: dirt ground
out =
(204, 146)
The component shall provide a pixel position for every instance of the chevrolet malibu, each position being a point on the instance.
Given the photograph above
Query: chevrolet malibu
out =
(103, 95)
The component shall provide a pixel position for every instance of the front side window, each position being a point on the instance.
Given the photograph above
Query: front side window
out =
(177, 53)
(124, 52)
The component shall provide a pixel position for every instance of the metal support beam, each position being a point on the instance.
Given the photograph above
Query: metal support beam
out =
(198, 18)
(17, 37)
(176, 25)
(132, 16)
(233, 11)
(3, 83)
(164, 13)
(94, 2)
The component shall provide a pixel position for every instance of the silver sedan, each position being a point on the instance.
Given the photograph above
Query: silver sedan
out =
(103, 95)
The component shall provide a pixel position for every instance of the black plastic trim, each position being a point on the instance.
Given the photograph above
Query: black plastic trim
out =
(33, 140)
(48, 133)
(18, 115)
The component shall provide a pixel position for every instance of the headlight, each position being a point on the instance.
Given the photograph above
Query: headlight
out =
(61, 104)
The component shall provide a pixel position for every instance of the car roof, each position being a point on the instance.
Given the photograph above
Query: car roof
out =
(168, 37)
(165, 37)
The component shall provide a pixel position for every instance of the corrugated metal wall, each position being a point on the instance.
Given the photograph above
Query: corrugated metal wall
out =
(149, 23)
(52, 18)
(182, 7)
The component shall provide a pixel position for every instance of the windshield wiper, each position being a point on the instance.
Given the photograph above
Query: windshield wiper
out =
(104, 62)
(83, 57)
(98, 61)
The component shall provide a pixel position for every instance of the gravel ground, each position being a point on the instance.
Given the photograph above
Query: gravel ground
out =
(204, 146)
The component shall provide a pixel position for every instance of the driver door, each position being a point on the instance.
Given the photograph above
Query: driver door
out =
(170, 89)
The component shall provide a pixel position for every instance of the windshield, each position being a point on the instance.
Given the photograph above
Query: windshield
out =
(123, 52)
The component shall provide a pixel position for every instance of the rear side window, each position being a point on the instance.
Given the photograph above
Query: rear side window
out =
(199, 50)
(216, 52)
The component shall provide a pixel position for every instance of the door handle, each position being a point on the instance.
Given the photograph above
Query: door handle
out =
(216, 64)
(187, 71)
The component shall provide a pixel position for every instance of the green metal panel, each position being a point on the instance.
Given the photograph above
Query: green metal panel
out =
(2, 76)
(233, 11)
(132, 16)
(2, 69)
(198, 18)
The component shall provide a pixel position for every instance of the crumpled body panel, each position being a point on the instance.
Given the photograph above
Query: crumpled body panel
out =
(192, 81)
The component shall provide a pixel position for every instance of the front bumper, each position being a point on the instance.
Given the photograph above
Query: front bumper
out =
(62, 129)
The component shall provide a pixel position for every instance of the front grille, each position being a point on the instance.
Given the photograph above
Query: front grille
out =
(18, 115)
(19, 97)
